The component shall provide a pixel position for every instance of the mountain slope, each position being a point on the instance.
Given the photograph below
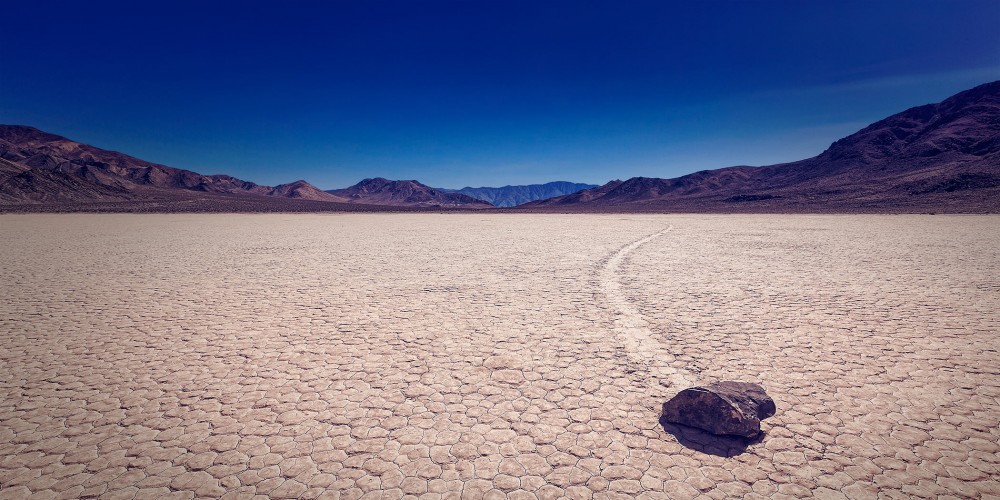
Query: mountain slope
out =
(937, 157)
(379, 191)
(37, 166)
(301, 189)
(509, 196)
(46, 186)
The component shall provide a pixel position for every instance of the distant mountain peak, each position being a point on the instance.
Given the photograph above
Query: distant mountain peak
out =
(382, 191)
(21, 133)
(509, 196)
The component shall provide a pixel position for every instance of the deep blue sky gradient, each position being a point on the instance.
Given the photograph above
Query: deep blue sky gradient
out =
(479, 92)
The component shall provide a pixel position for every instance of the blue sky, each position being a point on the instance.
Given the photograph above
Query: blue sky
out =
(482, 92)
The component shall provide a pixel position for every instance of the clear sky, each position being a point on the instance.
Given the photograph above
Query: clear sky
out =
(481, 92)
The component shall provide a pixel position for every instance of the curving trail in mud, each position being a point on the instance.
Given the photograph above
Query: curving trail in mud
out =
(642, 350)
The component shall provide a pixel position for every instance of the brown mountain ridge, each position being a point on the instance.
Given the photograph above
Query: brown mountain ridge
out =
(39, 167)
(380, 191)
(938, 157)
(43, 171)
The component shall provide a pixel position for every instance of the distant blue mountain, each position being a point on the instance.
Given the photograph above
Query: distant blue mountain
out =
(509, 196)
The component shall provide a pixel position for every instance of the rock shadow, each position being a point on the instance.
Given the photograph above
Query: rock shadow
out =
(707, 443)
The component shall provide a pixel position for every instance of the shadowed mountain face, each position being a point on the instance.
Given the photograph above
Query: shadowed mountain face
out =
(38, 167)
(938, 157)
(509, 196)
(379, 191)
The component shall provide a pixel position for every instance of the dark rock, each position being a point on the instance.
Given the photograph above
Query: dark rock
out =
(723, 408)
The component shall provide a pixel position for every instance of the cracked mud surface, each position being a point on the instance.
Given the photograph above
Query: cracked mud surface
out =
(383, 356)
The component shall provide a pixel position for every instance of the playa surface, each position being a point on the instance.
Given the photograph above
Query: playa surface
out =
(495, 355)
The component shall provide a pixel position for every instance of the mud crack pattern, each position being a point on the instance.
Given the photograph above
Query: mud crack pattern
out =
(489, 356)
(645, 352)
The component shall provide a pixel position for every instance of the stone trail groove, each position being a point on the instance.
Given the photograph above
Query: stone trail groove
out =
(643, 350)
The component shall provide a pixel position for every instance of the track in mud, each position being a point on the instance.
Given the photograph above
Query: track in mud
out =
(640, 345)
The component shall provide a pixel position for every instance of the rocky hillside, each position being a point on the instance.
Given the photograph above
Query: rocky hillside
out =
(379, 191)
(39, 167)
(942, 157)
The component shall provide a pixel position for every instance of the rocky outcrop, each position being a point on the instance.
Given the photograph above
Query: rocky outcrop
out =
(724, 408)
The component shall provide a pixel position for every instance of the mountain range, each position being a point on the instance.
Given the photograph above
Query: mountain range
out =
(379, 191)
(937, 157)
(509, 196)
(43, 170)
(37, 167)
(942, 157)
(40, 171)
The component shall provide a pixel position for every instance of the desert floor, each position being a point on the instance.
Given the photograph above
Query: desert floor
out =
(304, 356)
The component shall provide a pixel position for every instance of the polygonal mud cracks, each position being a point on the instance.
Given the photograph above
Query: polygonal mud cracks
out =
(338, 356)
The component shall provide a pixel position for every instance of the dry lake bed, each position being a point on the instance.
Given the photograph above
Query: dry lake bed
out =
(495, 355)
